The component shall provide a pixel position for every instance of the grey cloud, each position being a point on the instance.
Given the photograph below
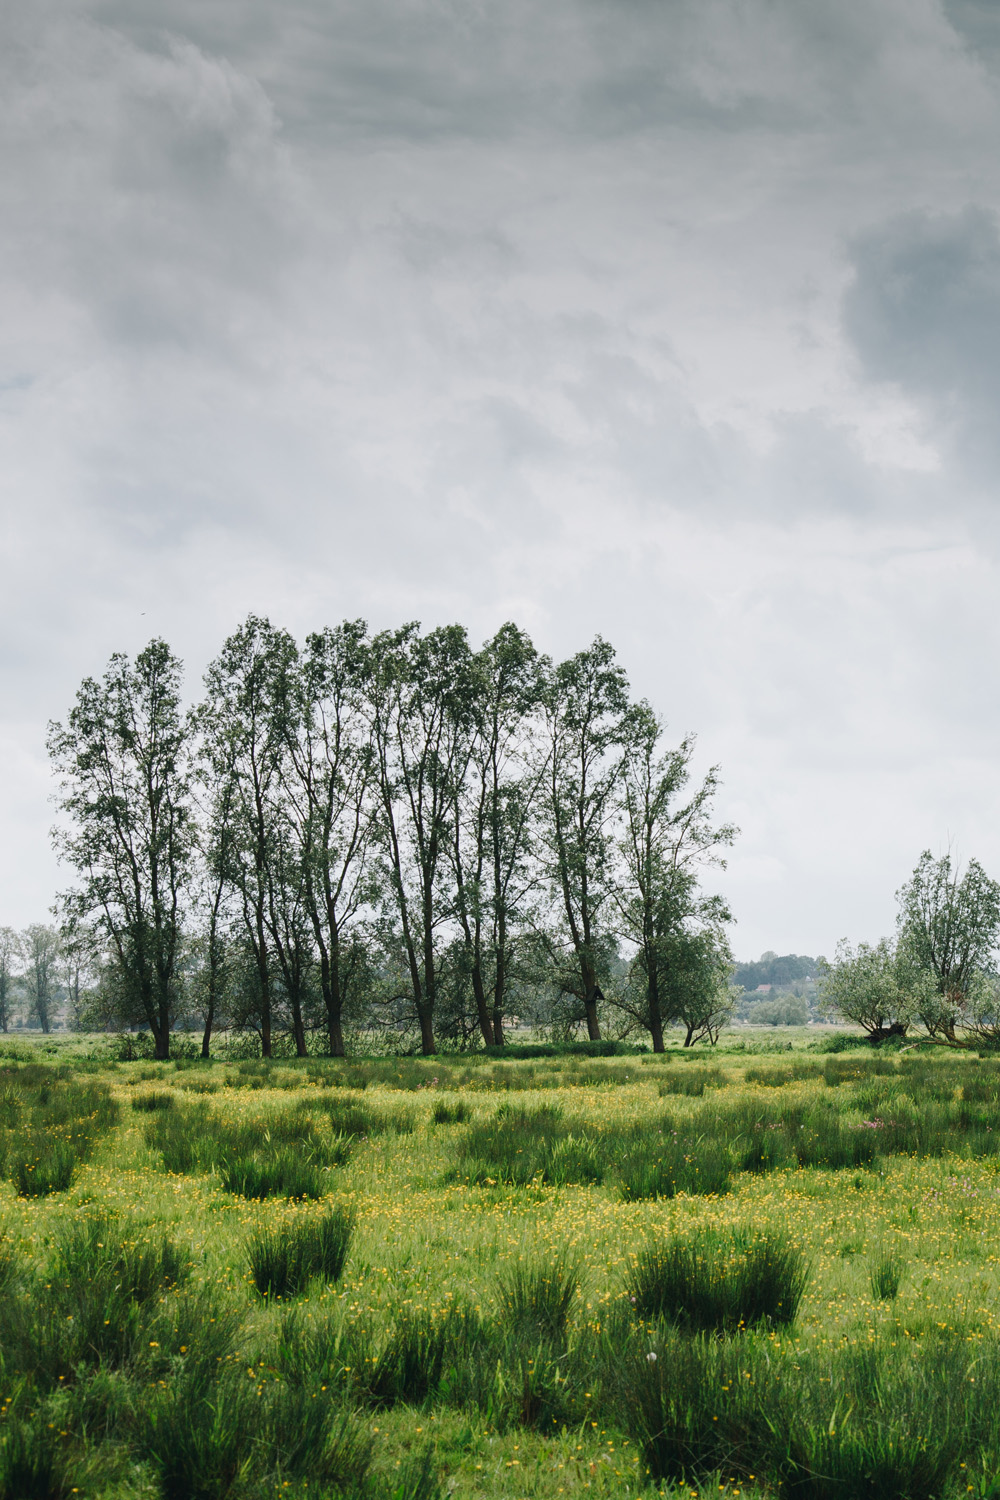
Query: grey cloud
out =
(924, 312)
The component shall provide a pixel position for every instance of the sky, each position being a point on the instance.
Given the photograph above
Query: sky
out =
(676, 321)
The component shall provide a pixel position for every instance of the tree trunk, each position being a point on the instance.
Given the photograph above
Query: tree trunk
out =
(482, 1009)
(161, 1042)
(298, 1029)
(336, 1035)
(207, 1034)
(591, 995)
(653, 999)
(427, 1046)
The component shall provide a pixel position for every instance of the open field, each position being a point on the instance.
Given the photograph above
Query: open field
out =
(544, 1277)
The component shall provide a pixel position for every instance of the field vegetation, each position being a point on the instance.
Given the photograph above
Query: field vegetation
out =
(742, 1273)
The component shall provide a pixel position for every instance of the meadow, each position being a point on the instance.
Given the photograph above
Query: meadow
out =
(738, 1271)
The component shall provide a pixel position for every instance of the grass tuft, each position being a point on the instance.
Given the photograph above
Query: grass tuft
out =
(717, 1282)
(284, 1260)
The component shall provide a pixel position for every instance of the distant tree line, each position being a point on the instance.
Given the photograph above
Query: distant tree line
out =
(40, 977)
(779, 989)
(389, 834)
(938, 972)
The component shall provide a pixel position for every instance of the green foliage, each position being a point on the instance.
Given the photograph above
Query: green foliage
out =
(715, 1282)
(451, 1114)
(279, 1173)
(284, 1260)
(148, 1103)
(662, 1165)
(536, 1299)
(39, 1165)
(32, 1465)
(886, 1276)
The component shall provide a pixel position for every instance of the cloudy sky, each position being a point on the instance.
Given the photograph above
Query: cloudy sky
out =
(674, 320)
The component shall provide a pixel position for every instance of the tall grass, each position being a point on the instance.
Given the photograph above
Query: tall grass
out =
(283, 1261)
(718, 1282)
(281, 1173)
(39, 1165)
(536, 1299)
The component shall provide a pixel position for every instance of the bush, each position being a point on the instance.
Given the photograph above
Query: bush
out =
(283, 1261)
(715, 1282)
(33, 1465)
(425, 1355)
(693, 1083)
(117, 1255)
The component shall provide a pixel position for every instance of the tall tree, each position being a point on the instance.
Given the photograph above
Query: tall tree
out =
(123, 767)
(495, 805)
(949, 926)
(331, 783)
(586, 707)
(244, 728)
(420, 699)
(664, 846)
(10, 950)
(40, 954)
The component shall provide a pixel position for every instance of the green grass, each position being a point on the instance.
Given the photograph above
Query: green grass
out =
(283, 1261)
(545, 1277)
(718, 1282)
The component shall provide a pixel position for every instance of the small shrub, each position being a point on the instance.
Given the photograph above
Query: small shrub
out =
(118, 1256)
(185, 1138)
(423, 1356)
(717, 1282)
(662, 1166)
(693, 1083)
(283, 1261)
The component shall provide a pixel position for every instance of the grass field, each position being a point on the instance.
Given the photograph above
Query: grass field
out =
(732, 1273)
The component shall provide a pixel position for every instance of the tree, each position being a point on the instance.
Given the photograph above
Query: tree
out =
(694, 983)
(586, 704)
(10, 950)
(949, 927)
(874, 986)
(663, 847)
(40, 952)
(493, 816)
(331, 779)
(420, 697)
(244, 726)
(123, 765)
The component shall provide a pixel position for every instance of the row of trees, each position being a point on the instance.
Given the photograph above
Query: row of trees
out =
(938, 971)
(390, 831)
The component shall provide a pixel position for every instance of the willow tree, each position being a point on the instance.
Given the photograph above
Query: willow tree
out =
(123, 763)
(586, 707)
(667, 838)
(420, 703)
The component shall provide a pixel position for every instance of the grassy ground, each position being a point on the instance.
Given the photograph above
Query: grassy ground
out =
(899, 1322)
